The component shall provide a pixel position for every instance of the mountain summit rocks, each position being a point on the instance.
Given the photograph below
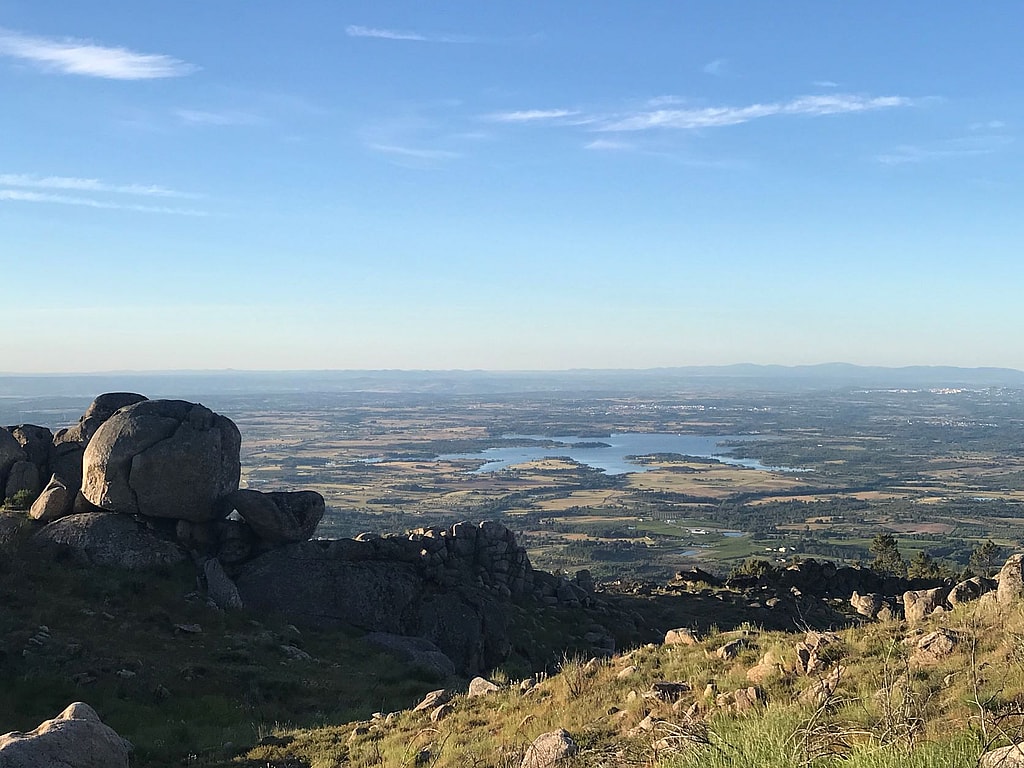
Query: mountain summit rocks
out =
(164, 459)
(138, 483)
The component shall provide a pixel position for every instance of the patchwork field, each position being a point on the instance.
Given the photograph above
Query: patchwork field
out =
(886, 464)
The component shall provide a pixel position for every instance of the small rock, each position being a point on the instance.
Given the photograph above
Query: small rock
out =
(935, 645)
(1004, 757)
(626, 672)
(732, 649)
(188, 629)
(680, 636)
(644, 726)
(478, 686)
(669, 692)
(549, 749)
(295, 654)
(433, 699)
(76, 738)
(747, 698)
(441, 712)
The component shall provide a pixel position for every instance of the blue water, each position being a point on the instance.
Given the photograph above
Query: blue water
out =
(612, 459)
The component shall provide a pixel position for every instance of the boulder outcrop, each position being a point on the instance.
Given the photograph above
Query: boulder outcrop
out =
(970, 589)
(163, 458)
(108, 539)
(23, 477)
(279, 517)
(36, 442)
(99, 410)
(447, 586)
(417, 651)
(1010, 580)
(10, 454)
(924, 602)
(54, 502)
(220, 588)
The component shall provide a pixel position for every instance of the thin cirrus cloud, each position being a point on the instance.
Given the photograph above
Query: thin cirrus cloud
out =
(609, 145)
(58, 190)
(355, 30)
(70, 56)
(716, 68)
(70, 183)
(716, 117)
(951, 149)
(27, 196)
(217, 118)
(530, 115)
(702, 117)
(413, 153)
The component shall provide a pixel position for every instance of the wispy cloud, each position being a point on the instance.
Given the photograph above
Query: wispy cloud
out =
(608, 145)
(415, 156)
(355, 30)
(659, 114)
(81, 57)
(991, 125)
(25, 196)
(217, 118)
(825, 84)
(716, 68)
(973, 146)
(70, 183)
(28, 188)
(716, 117)
(530, 115)
(665, 101)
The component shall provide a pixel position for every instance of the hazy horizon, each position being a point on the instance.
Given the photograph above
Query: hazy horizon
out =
(651, 369)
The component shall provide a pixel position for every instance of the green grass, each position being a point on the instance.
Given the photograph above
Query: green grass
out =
(890, 710)
(112, 642)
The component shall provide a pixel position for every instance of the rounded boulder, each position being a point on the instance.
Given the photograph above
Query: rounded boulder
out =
(163, 458)
(105, 539)
(279, 517)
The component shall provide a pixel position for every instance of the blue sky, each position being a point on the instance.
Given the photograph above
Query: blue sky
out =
(506, 185)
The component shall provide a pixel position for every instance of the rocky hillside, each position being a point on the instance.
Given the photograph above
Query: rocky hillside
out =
(201, 622)
(943, 689)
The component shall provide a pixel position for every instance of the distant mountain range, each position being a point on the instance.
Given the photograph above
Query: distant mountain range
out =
(647, 381)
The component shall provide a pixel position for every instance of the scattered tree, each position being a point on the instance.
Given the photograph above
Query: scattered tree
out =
(888, 559)
(924, 566)
(986, 557)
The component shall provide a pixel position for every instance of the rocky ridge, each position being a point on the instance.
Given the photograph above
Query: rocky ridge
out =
(139, 483)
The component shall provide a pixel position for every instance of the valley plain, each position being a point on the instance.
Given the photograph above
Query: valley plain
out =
(937, 464)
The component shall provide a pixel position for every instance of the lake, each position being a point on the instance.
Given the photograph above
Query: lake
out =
(611, 457)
